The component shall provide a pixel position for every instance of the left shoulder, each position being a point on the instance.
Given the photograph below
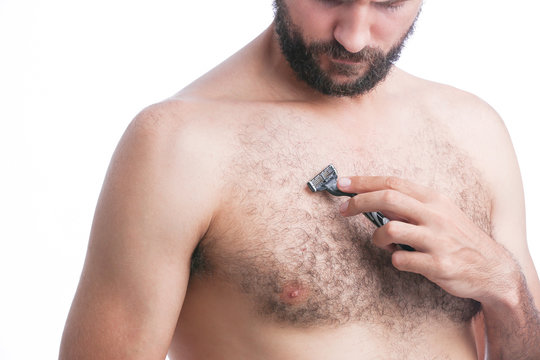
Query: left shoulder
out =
(470, 122)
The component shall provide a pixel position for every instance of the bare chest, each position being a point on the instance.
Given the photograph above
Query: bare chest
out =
(294, 255)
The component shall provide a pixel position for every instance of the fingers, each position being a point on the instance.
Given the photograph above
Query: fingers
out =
(413, 261)
(365, 184)
(397, 232)
(417, 208)
(420, 261)
(393, 204)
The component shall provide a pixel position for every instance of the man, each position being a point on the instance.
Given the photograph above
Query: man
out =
(207, 243)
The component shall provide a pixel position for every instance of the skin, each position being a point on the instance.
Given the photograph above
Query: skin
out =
(136, 299)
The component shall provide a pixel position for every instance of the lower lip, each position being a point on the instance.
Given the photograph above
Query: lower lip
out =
(350, 62)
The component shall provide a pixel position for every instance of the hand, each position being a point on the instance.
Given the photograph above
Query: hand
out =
(451, 250)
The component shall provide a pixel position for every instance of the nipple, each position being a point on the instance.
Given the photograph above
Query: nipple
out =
(294, 293)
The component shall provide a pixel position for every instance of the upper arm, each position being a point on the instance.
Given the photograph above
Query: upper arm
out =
(148, 220)
(485, 137)
(508, 203)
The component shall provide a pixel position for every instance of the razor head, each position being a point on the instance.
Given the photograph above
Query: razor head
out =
(326, 180)
(323, 179)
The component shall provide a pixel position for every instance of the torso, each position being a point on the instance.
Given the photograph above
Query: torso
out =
(280, 274)
(280, 270)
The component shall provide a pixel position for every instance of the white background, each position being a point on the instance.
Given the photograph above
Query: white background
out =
(73, 74)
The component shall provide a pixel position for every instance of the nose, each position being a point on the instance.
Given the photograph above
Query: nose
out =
(353, 28)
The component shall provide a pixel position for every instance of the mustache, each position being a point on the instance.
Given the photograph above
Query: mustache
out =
(335, 50)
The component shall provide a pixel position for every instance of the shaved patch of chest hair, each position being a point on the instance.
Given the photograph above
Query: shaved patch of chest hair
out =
(274, 234)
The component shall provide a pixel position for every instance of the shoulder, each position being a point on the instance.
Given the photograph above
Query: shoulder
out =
(457, 107)
(177, 150)
(471, 123)
(477, 130)
(188, 130)
(179, 120)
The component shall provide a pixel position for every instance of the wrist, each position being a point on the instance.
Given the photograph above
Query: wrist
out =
(507, 295)
(505, 284)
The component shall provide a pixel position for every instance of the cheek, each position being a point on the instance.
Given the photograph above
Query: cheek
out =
(388, 30)
(317, 26)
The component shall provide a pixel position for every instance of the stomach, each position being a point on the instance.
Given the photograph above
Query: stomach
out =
(219, 322)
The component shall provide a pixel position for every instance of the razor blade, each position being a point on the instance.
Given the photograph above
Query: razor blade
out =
(326, 180)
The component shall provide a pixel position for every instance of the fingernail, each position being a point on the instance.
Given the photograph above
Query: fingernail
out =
(344, 182)
(344, 206)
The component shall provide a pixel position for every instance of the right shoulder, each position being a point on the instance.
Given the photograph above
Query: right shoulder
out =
(186, 132)
(178, 150)
(177, 121)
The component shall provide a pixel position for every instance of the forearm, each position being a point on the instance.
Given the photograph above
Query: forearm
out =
(512, 325)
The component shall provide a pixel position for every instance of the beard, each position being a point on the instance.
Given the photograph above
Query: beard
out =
(304, 59)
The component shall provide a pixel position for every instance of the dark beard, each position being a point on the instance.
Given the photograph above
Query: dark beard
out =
(303, 58)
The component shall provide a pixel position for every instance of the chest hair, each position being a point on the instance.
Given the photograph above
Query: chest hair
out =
(298, 259)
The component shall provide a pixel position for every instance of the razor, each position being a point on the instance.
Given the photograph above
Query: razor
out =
(326, 180)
